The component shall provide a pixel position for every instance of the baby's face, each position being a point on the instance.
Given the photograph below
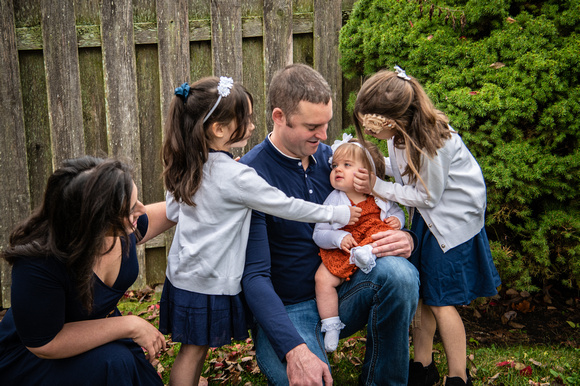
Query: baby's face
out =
(342, 174)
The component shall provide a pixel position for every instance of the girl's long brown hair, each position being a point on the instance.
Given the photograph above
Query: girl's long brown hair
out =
(85, 200)
(420, 128)
(186, 143)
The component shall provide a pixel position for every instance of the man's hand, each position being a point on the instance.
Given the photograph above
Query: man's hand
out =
(393, 243)
(363, 181)
(305, 368)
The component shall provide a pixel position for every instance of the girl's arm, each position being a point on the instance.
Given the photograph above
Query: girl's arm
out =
(434, 172)
(158, 221)
(257, 194)
(326, 237)
(78, 337)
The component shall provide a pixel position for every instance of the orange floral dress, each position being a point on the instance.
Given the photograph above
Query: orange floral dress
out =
(369, 223)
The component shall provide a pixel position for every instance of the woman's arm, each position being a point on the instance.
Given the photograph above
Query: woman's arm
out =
(78, 337)
(158, 221)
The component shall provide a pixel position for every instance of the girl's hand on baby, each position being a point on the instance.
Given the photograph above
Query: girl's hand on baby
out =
(363, 181)
(355, 213)
(393, 222)
(347, 243)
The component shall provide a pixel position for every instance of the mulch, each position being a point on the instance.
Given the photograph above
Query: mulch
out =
(549, 317)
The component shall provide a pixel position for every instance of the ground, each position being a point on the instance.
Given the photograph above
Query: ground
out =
(511, 318)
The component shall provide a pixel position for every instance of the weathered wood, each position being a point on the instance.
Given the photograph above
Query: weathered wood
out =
(253, 69)
(15, 197)
(148, 92)
(38, 142)
(173, 35)
(62, 77)
(327, 24)
(30, 38)
(93, 98)
(226, 32)
(124, 72)
(277, 43)
(121, 94)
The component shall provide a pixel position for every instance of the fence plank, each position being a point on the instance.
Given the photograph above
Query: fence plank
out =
(93, 98)
(277, 42)
(173, 35)
(15, 197)
(226, 38)
(63, 82)
(121, 94)
(327, 24)
(253, 53)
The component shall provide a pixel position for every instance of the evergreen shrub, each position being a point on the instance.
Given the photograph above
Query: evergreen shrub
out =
(507, 74)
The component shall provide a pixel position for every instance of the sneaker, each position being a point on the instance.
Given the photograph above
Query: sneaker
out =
(420, 375)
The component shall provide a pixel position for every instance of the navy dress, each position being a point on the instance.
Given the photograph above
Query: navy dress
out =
(44, 298)
(458, 276)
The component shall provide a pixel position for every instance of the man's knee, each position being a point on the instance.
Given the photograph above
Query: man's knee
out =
(397, 272)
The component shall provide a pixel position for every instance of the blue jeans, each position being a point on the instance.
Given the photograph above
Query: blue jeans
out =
(384, 300)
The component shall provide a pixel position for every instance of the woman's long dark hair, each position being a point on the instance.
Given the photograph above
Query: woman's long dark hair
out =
(85, 200)
(186, 143)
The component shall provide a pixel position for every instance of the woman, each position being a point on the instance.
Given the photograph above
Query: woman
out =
(72, 260)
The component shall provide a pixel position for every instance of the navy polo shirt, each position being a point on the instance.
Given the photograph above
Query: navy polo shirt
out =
(282, 258)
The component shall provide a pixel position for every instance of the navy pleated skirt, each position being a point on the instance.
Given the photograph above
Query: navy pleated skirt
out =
(199, 319)
(458, 276)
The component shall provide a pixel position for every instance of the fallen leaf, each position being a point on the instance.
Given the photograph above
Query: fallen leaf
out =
(510, 315)
(516, 325)
(526, 371)
(511, 291)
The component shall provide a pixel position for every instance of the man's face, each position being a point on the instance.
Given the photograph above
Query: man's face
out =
(300, 135)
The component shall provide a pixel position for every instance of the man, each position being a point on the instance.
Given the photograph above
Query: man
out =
(282, 258)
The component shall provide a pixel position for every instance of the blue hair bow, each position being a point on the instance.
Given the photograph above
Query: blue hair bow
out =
(183, 91)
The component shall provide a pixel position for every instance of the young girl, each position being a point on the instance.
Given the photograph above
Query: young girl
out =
(437, 175)
(211, 198)
(345, 249)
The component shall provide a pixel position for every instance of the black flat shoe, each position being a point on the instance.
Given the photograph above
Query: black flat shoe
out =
(457, 381)
(420, 375)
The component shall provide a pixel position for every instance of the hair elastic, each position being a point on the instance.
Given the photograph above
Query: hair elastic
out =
(182, 91)
(345, 139)
(224, 87)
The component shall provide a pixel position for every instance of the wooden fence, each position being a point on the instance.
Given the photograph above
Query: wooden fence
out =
(96, 77)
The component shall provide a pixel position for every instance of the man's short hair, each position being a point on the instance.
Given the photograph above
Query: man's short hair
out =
(295, 83)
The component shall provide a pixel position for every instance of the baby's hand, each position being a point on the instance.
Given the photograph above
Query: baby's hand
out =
(347, 243)
(355, 213)
(393, 222)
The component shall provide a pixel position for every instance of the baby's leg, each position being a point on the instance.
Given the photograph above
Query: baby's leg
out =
(327, 303)
(187, 367)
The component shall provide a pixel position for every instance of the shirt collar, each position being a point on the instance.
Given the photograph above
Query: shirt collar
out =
(293, 160)
(221, 151)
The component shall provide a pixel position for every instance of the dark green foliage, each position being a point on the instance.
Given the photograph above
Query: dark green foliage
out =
(507, 73)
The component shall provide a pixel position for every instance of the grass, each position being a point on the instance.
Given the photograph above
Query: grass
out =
(235, 364)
